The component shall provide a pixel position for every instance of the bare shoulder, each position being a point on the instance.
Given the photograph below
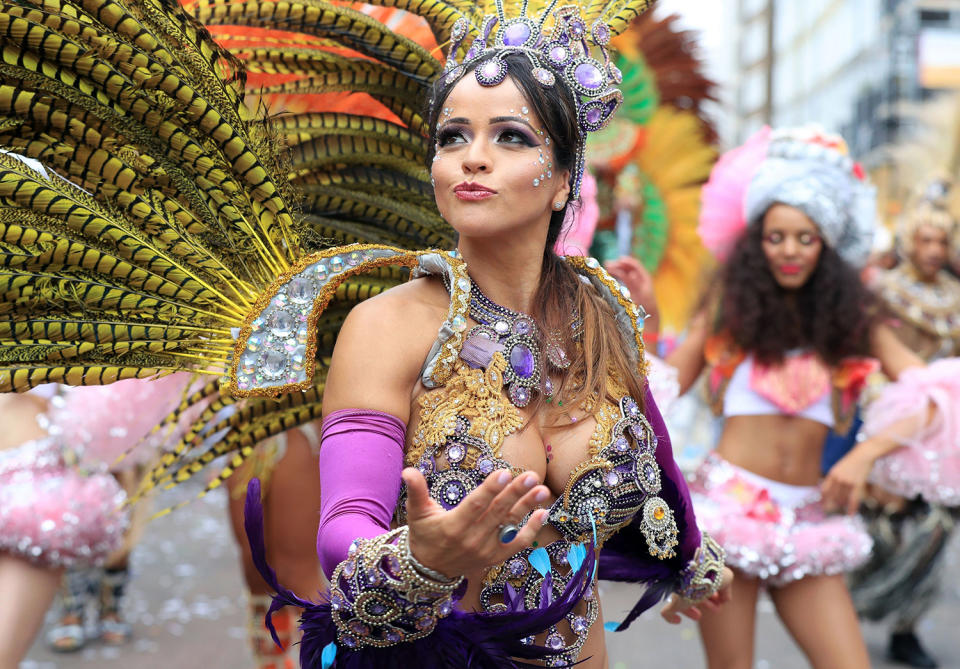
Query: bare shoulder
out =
(382, 346)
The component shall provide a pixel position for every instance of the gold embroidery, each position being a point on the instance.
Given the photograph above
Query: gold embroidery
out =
(474, 394)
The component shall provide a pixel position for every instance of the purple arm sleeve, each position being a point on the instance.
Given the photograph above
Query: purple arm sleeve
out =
(361, 457)
(677, 494)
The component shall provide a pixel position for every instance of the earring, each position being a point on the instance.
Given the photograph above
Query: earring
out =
(558, 205)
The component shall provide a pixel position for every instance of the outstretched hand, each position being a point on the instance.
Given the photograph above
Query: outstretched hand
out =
(466, 538)
(678, 606)
(845, 485)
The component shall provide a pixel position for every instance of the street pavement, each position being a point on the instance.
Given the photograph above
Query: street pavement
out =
(187, 609)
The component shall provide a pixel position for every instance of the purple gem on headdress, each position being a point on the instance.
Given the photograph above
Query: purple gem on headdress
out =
(558, 54)
(485, 466)
(522, 326)
(473, 51)
(491, 72)
(577, 28)
(522, 361)
(516, 34)
(601, 33)
(594, 115)
(544, 76)
(588, 76)
(348, 641)
(616, 76)
(459, 29)
(393, 635)
(579, 625)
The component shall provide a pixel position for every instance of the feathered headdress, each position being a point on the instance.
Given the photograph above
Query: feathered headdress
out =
(166, 235)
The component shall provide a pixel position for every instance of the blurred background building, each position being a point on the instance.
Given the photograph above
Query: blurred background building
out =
(855, 66)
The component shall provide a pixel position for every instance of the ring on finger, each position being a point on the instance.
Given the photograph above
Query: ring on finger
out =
(507, 533)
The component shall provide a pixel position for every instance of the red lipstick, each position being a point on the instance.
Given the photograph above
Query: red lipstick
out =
(472, 191)
(790, 269)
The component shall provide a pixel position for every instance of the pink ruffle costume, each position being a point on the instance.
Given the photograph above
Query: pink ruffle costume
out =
(773, 531)
(928, 464)
(52, 514)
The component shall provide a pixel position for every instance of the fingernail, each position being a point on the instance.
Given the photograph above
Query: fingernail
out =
(529, 481)
(503, 478)
(542, 495)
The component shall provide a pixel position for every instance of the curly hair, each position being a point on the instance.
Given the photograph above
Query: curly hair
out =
(831, 313)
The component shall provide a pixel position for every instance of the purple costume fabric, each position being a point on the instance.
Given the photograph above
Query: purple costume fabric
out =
(625, 557)
(360, 464)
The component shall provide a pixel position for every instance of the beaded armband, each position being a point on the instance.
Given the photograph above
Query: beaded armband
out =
(704, 574)
(381, 596)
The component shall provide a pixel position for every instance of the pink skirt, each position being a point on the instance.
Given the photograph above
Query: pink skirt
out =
(53, 515)
(774, 531)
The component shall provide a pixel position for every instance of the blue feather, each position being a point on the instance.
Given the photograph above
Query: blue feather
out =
(540, 560)
(327, 656)
(576, 555)
(611, 626)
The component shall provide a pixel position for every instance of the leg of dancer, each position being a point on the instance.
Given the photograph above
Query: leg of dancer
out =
(27, 590)
(819, 614)
(292, 505)
(728, 634)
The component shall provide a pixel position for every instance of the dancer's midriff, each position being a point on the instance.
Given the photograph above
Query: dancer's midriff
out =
(782, 448)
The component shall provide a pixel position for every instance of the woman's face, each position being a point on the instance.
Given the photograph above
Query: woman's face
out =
(792, 244)
(494, 170)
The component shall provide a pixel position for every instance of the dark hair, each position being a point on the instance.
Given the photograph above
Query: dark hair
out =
(561, 292)
(831, 313)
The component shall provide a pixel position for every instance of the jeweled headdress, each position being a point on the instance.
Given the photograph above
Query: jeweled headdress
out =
(562, 52)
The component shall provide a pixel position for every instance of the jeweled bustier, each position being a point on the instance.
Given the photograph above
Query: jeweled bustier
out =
(462, 427)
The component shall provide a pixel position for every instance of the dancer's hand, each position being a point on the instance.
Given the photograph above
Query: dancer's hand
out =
(466, 538)
(677, 605)
(631, 273)
(845, 485)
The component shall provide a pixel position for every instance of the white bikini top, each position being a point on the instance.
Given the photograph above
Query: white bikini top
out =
(799, 387)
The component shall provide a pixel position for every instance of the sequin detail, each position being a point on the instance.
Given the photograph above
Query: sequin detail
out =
(769, 536)
(55, 516)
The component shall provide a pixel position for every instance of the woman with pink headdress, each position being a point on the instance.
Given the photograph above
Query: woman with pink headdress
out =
(785, 341)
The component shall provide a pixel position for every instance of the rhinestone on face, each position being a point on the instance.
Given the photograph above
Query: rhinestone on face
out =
(554, 642)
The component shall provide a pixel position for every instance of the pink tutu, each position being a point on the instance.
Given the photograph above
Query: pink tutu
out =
(929, 463)
(52, 515)
(104, 422)
(773, 531)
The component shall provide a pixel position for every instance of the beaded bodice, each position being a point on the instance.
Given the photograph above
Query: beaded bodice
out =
(457, 443)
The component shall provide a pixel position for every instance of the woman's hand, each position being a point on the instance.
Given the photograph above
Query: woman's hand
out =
(466, 538)
(845, 485)
(678, 605)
